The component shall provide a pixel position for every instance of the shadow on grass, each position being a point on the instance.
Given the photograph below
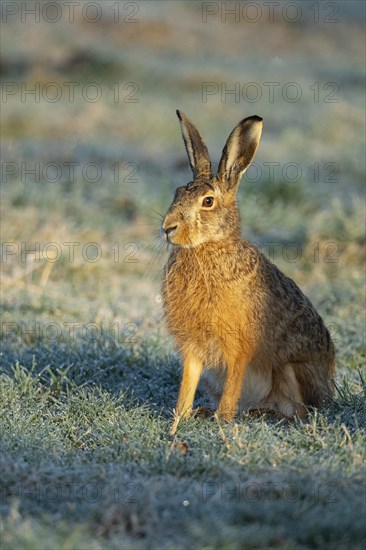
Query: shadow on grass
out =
(145, 373)
(141, 373)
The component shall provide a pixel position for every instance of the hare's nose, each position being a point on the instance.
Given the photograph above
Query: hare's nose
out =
(170, 229)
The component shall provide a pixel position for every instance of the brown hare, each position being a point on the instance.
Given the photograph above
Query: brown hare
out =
(233, 314)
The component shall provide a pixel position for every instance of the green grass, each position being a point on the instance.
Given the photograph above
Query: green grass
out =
(86, 458)
(85, 444)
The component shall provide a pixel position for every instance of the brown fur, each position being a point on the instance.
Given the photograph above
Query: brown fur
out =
(234, 314)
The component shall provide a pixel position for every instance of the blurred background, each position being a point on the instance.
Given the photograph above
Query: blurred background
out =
(92, 151)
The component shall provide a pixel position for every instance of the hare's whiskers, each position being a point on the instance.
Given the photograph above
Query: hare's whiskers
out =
(158, 250)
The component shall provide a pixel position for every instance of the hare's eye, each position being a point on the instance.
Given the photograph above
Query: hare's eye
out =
(207, 202)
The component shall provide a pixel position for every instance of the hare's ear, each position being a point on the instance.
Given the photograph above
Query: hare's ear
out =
(239, 151)
(195, 146)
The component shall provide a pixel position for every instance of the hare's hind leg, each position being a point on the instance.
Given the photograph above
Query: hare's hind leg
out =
(257, 386)
(315, 379)
(286, 396)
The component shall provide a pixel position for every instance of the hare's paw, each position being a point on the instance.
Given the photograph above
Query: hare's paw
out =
(225, 413)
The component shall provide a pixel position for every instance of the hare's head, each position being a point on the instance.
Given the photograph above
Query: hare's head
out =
(205, 209)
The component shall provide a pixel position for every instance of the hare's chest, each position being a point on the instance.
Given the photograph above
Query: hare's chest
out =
(201, 311)
(190, 296)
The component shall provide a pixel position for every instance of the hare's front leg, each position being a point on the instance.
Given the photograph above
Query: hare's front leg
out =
(228, 405)
(192, 370)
